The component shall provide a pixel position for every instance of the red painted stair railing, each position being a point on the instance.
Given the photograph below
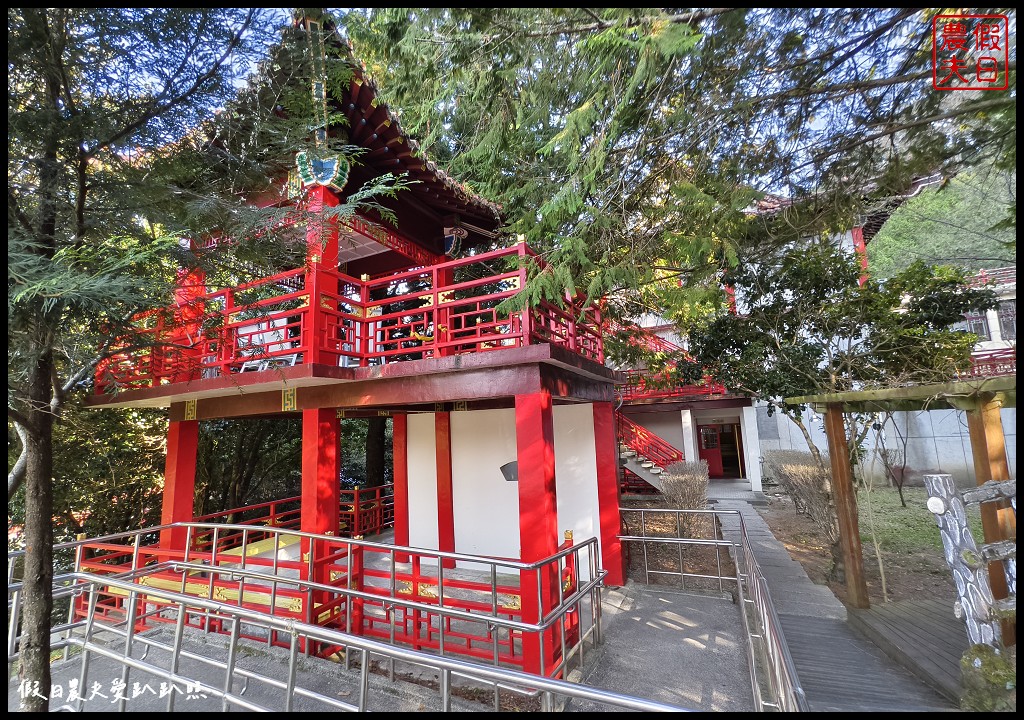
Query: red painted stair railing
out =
(645, 443)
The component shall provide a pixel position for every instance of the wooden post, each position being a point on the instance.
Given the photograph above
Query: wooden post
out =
(998, 520)
(179, 481)
(538, 521)
(607, 449)
(846, 506)
(445, 495)
(443, 279)
(321, 467)
(321, 253)
(400, 436)
(320, 500)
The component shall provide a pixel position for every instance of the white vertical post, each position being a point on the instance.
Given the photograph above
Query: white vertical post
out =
(689, 436)
(995, 330)
(751, 447)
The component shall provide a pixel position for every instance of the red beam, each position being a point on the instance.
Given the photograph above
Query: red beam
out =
(445, 495)
(179, 481)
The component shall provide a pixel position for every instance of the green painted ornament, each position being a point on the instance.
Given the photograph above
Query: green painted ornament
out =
(329, 172)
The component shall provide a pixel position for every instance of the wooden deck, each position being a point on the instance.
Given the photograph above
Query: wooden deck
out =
(841, 671)
(922, 635)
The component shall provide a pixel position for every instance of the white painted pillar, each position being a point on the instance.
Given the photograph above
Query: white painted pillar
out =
(995, 331)
(689, 437)
(751, 447)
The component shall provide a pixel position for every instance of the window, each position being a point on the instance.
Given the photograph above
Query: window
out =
(708, 438)
(975, 322)
(1008, 319)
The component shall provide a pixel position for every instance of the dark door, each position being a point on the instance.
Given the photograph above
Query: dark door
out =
(731, 449)
(709, 449)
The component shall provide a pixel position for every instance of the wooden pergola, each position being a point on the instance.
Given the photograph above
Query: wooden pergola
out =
(981, 398)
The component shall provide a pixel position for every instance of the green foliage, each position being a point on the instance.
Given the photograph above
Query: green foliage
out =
(806, 326)
(959, 223)
(110, 464)
(626, 145)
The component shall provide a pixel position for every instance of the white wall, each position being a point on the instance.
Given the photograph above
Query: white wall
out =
(751, 447)
(422, 481)
(937, 440)
(486, 505)
(576, 475)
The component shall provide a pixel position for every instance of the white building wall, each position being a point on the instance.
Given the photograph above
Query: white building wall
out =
(486, 505)
(576, 474)
(751, 447)
(422, 481)
(937, 440)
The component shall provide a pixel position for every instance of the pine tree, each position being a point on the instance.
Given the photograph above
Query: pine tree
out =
(95, 97)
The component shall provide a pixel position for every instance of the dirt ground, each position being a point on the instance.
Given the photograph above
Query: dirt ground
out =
(909, 574)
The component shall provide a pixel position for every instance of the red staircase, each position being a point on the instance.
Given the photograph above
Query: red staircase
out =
(646, 456)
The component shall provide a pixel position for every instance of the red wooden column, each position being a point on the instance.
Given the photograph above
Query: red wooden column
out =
(443, 278)
(400, 437)
(190, 288)
(321, 254)
(538, 520)
(179, 481)
(445, 496)
(606, 446)
(321, 467)
(860, 248)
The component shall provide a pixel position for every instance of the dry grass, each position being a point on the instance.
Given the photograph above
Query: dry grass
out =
(808, 484)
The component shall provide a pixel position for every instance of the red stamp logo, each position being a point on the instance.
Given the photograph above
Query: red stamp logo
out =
(970, 52)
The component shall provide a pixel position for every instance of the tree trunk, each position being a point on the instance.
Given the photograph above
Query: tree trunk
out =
(37, 599)
(375, 434)
(799, 422)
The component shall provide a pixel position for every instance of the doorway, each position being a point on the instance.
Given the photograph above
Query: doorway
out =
(721, 445)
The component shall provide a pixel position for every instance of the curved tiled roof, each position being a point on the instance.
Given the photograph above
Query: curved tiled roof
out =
(375, 127)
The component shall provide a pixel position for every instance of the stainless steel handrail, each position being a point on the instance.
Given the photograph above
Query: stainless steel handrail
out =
(301, 634)
(765, 640)
(587, 593)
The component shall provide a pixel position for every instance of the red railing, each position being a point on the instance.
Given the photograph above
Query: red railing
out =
(644, 337)
(993, 363)
(646, 443)
(643, 384)
(998, 277)
(446, 309)
(362, 587)
(363, 511)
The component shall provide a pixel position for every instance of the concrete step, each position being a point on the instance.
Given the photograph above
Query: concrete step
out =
(647, 464)
(657, 470)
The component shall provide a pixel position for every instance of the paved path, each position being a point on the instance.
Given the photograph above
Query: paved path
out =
(840, 670)
(681, 648)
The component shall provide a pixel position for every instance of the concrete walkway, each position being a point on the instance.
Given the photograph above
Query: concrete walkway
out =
(839, 669)
(681, 648)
